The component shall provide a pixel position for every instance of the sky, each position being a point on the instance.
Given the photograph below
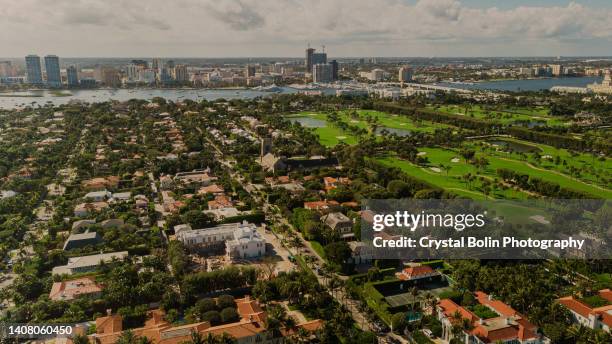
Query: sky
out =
(283, 28)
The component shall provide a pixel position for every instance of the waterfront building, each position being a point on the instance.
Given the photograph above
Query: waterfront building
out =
(72, 76)
(322, 73)
(33, 70)
(604, 87)
(131, 71)
(557, 70)
(180, 73)
(52, 68)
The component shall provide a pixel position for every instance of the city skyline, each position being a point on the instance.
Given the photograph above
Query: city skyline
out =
(381, 28)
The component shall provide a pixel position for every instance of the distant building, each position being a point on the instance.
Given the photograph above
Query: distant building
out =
(322, 73)
(249, 71)
(33, 70)
(131, 71)
(376, 75)
(557, 70)
(335, 66)
(604, 87)
(180, 73)
(52, 69)
(110, 77)
(72, 76)
(309, 64)
(87, 263)
(273, 163)
(319, 58)
(405, 74)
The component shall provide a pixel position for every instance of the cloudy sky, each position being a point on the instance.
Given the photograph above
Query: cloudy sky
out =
(223, 28)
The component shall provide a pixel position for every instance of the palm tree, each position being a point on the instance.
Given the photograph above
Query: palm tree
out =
(431, 301)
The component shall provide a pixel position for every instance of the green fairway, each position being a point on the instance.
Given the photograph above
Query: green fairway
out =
(359, 118)
(329, 135)
(584, 167)
(505, 115)
(445, 168)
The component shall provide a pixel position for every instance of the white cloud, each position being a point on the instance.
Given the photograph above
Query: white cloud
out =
(282, 27)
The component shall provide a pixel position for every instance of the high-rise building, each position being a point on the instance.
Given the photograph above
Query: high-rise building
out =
(309, 53)
(322, 72)
(132, 71)
(52, 68)
(156, 63)
(377, 75)
(249, 71)
(319, 58)
(334, 65)
(140, 63)
(405, 74)
(557, 70)
(180, 73)
(33, 70)
(170, 64)
(110, 77)
(72, 76)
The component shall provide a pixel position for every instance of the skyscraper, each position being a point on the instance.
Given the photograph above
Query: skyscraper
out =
(319, 58)
(322, 72)
(72, 76)
(405, 74)
(249, 71)
(334, 65)
(309, 53)
(156, 63)
(180, 73)
(33, 70)
(52, 68)
(131, 71)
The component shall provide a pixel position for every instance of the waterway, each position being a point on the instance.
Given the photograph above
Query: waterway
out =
(12, 100)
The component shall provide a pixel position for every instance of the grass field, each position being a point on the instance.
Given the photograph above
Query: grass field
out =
(585, 167)
(452, 179)
(507, 115)
(389, 121)
(329, 135)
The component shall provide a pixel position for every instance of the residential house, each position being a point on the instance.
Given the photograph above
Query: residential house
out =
(591, 317)
(81, 240)
(87, 263)
(508, 326)
(73, 289)
(339, 223)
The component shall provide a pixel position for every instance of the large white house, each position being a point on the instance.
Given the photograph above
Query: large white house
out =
(240, 240)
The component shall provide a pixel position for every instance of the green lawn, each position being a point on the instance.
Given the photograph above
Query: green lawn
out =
(389, 120)
(329, 135)
(452, 179)
(586, 167)
(318, 248)
(505, 115)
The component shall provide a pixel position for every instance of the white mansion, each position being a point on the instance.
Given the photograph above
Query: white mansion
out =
(241, 240)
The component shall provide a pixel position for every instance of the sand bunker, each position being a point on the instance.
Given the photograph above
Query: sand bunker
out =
(341, 137)
(455, 160)
(435, 169)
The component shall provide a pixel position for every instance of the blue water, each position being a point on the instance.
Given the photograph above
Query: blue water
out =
(526, 85)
